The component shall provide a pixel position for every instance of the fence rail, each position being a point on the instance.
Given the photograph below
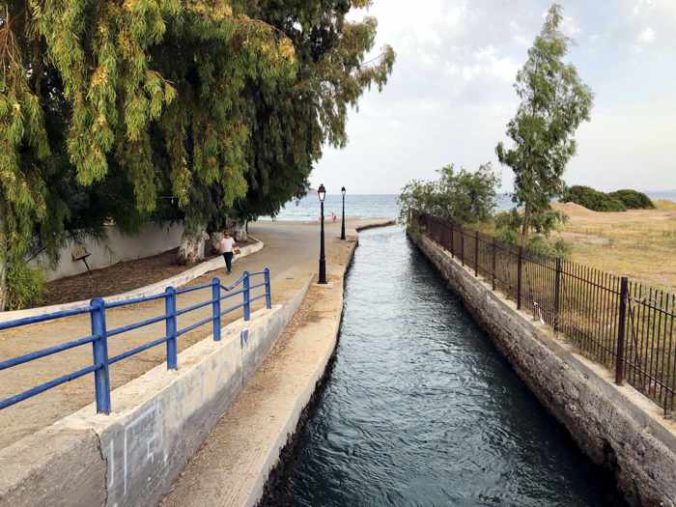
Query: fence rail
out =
(100, 334)
(625, 325)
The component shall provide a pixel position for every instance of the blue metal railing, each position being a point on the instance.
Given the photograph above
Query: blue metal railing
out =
(100, 334)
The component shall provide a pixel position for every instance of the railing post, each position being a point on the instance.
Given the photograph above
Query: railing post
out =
(476, 253)
(493, 262)
(100, 352)
(247, 296)
(170, 321)
(462, 246)
(216, 308)
(268, 289)
(622, 324)
(518, 278)
(557, 295)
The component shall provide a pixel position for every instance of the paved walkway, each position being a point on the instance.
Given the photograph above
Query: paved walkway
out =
(233, 464)
(291, 253)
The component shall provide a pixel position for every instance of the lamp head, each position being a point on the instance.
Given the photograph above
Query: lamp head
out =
(321, 192)
(342, 190)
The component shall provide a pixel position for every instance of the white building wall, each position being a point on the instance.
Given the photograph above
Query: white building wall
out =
(152, 239)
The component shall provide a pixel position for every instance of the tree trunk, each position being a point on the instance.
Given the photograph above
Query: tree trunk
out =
(191, 250)
(525, 225)
(240, 231)
(215, 242)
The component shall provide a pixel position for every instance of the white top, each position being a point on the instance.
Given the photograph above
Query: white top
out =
(227, 244)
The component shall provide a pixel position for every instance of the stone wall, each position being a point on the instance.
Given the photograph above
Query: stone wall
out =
(615, 425)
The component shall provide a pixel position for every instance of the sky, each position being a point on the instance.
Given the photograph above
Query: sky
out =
(451, 93)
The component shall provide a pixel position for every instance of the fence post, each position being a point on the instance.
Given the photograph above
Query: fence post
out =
(622, 324)
(557, 295)
(170, 324)
(476, 253)
(247, 296)
(462, 246)
(100, 352)
(493, 262)
(216, 308)
(518, 278)
(268, 289)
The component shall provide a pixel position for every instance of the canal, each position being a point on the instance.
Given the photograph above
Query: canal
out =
(420, 408)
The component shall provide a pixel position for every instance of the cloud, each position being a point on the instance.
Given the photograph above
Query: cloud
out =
(451, 95)
(485, 63)
(647, 36)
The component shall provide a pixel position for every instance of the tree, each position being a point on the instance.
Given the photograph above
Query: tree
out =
(152, 109)
(462, 197)
(143, 97)
(292, 121)
(554, 101)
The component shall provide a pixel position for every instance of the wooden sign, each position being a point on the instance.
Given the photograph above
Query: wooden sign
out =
(79, 252)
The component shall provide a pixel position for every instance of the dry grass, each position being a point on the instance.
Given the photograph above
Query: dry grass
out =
(640, 244)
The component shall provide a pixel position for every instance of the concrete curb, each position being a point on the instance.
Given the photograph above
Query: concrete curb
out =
(149, 290)
(616, 426)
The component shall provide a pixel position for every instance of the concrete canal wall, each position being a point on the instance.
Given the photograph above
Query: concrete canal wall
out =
(160, 419)
(615, 425)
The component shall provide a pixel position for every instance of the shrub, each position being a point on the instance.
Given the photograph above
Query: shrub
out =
(24, 286)
(592, 199)
(633, 199)
(464, 197)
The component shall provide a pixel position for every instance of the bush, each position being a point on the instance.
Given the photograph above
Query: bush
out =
(592, 199)
(632, 199)
(462, 196)
(25, 286)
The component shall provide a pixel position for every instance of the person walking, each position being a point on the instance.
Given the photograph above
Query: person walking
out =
(228, 250)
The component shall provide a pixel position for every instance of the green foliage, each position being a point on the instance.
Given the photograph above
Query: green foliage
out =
(633, 199)
(620, 200)
(462, 196)
(24, 286)
(592, 199)
(294, 120)
(143, 109)
(539, 244)
(508, 223)
(554, 101)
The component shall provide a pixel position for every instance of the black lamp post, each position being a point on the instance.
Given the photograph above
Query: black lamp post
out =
(321, 191)
(342, 227)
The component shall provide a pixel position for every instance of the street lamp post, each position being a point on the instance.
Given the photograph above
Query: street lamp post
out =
(342, 227)
(321, 191)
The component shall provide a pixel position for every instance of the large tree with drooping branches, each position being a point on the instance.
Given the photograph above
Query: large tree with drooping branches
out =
(131, 110)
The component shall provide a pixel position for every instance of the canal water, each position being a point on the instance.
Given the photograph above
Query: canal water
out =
(420, 408)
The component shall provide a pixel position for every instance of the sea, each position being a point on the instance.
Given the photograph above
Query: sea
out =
(379, 206)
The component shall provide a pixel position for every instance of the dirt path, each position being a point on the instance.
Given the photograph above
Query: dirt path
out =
(291, 253)
(115, 279)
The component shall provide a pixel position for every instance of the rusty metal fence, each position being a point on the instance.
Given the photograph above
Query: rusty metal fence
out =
(625, 325)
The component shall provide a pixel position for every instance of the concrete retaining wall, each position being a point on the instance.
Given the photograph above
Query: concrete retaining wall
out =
(160, 419)
(616, 426)
(152, 239)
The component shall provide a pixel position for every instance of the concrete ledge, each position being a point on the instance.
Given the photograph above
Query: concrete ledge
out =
(616, 426)
(160, 419)
(34, 472)
(149, 290)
